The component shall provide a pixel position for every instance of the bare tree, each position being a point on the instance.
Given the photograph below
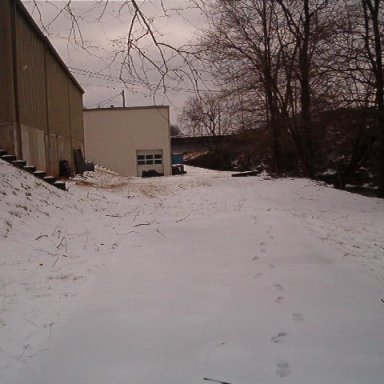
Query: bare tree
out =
(373, 13)
(208, 115)
(361, 73)
(308, 23)
(205, 115)
(143, 55)
(272, 51)
(240, 47)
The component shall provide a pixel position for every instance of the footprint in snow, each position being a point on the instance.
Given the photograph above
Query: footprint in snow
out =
(282, 369)
(279, 338)
(279, 299)
(279, 287)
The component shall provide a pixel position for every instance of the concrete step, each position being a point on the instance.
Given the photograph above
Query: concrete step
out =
(8, 158)
(22, 164)
(60, 185)
(19, 163)
(29, 168)
(40, 174)
(49, 179)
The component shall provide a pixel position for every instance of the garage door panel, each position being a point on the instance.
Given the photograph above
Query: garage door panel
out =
(148, 160)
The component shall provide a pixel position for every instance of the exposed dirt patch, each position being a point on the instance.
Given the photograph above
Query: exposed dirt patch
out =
(103, 185)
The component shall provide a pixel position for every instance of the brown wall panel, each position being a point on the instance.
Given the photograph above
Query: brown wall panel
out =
(58, 108)
(59, 149)
(7, 108)
(7, 95)
(31, 76)
(76, 112)
(34, 147)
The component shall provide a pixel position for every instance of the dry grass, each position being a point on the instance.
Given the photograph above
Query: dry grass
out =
(103, 185)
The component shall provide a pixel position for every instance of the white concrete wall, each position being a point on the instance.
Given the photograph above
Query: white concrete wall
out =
(113, 135)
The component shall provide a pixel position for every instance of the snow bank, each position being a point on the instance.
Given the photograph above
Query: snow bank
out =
(173, 279)
(46, 256)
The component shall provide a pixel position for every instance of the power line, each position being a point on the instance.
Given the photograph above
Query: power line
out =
(115, 79)
(98, 75)
(106, 101)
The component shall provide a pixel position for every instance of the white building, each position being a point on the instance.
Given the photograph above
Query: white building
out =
(129, 140)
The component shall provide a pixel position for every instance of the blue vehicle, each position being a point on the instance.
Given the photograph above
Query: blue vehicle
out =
(177, 164)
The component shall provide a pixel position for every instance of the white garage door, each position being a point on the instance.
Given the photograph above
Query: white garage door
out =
(148, 160)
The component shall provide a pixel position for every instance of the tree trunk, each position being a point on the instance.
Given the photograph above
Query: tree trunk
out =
(371, 9)
(305, 95)
(379, 97)
(269, 85)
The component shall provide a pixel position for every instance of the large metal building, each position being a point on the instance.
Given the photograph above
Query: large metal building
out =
(41, 118)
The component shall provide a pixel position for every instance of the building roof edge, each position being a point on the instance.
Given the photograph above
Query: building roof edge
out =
(126, 108)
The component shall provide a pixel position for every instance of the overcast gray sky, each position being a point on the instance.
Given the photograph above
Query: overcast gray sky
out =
(102, 30)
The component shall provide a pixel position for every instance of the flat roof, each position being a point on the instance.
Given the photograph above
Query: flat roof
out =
(29, 19)
(126, 108)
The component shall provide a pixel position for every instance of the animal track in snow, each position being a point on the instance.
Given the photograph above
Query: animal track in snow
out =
(262, 249)
(279, 338)
(279, 287)
(282, 369)
(279, 299)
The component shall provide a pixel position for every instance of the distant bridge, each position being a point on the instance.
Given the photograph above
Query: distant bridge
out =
(188, 144)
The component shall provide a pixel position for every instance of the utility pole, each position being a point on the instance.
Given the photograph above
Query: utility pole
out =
(123, 95)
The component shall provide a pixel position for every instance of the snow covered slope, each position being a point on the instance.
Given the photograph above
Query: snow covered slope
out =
(176, 279)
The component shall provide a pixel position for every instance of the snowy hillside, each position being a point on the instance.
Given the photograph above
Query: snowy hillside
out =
(176, 279)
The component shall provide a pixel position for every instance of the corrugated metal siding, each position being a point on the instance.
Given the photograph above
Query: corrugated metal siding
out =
(58, 115)
(31, 77)
(7, 96)
(7, 109)
(77, 123)
(31, 92)
(59, 149)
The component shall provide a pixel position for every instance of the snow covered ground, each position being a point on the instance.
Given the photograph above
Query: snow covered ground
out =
(176, 279)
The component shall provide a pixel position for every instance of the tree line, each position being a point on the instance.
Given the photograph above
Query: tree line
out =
(309, 73)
